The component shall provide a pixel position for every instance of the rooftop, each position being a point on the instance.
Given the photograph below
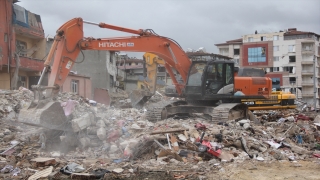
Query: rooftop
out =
(234, 41)
(199, 54)
(294, 31)
(130, 61)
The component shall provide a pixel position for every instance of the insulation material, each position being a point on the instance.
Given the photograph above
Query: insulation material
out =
(32, 20)
(20, 13)
(40, 174)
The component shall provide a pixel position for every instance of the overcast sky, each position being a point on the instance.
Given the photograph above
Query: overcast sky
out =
(192, 23)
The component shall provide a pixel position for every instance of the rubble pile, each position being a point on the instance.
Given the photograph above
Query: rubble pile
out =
(110, 143)
(120, 99)
(12, 101)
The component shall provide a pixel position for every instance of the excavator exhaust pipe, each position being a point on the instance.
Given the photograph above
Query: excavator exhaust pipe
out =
(139, 98)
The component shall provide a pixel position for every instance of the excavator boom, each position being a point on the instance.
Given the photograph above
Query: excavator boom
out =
(69, 41)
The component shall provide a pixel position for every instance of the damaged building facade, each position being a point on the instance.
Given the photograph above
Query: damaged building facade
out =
(22, 46)
(289, 57)
(23, 51)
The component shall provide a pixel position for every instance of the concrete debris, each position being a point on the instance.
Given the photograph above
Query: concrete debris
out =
(118, 141)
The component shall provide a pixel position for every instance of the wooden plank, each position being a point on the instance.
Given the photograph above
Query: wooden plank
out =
(168, 131)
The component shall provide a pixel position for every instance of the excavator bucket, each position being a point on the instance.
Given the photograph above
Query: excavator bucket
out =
(139, 98)
(45, 114)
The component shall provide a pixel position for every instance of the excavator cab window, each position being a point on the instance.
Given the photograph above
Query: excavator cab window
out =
(218, 76)
(195, 76)
(194, 82)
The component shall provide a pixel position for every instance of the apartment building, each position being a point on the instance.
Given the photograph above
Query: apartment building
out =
(232, 49)
(289, 58)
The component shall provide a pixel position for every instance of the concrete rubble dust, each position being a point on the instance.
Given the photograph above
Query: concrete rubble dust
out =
(118, 142)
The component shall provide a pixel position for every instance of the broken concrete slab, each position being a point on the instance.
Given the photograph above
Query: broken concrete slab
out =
(82, 122)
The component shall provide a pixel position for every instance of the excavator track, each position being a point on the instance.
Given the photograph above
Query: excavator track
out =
(220, 113)
(156, 111)
(227, 111)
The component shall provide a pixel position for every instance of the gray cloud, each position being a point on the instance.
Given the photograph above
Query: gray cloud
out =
(192, 24)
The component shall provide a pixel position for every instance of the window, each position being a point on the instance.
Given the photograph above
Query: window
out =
(75, 86)
(236, 61)
(292, 80)
(291, 48)
(236, 51)
(275, 83)
(292, 58)
(275, 48)
(5, 37)
(21, 48)
(111, 57)
(257, 54)
(229, 74)
(161, 69)
(224, 51)
(111, 81)
(196, 74)
(250, 39)
(276, 37)
(289, 69)
(263, 38)
(276, 58)
(275, 69)
(22, 81)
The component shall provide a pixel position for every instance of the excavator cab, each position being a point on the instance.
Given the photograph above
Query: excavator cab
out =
(210, 80)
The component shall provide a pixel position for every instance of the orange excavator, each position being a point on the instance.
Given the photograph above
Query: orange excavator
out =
(208, 86)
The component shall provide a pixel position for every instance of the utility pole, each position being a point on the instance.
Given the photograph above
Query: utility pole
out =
(314, 83)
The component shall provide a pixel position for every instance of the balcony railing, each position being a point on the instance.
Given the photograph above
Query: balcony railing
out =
(307, 51)
(307, 73)
(307, 94)
(307, 83)
(306, 62)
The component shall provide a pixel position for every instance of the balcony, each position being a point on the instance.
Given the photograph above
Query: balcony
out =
(34, 33)
(29, 64)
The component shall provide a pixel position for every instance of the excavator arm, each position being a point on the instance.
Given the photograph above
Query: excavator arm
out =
(151, 62)
(69, 42)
